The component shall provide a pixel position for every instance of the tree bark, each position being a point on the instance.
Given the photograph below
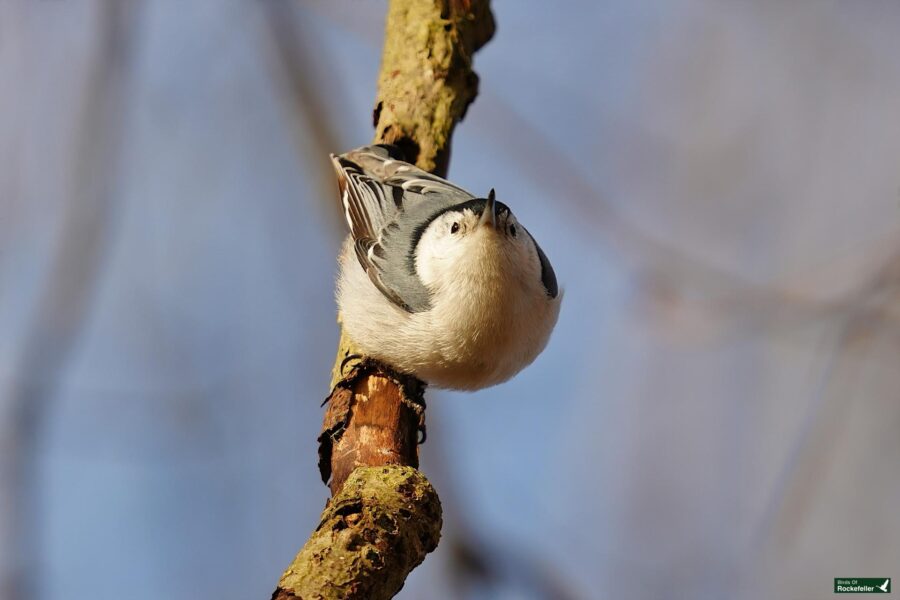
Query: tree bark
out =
(384, 516)
(371, 535)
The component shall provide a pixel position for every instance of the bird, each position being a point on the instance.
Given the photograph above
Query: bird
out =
(884, 586)
(434, 281)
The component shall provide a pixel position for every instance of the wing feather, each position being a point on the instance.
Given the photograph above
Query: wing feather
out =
(384, 200)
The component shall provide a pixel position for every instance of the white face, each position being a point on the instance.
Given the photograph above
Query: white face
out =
(457, 243)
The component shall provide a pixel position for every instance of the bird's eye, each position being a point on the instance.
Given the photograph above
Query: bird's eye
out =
(454, 228)
(512, 230)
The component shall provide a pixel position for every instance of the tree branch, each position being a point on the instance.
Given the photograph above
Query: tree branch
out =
(384, 516)
(371, 535)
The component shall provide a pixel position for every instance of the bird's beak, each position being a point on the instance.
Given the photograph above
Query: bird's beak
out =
(489, 216)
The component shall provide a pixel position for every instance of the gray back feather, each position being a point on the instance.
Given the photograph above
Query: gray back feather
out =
(387, 203)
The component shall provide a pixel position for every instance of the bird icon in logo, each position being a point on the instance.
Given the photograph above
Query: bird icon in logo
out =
(884, 586)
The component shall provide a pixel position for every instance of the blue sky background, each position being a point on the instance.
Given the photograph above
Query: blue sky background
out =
(715, 182)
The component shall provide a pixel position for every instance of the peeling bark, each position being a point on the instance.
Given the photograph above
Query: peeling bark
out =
(373, 418)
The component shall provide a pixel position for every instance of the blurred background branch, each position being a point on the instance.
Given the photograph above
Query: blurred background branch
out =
(85, 242)
(316, 98)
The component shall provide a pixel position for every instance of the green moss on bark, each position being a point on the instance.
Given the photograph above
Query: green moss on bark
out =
(426, 81)
(372, 534)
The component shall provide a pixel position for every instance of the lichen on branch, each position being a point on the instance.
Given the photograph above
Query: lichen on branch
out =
(378, 528)
(426, 81)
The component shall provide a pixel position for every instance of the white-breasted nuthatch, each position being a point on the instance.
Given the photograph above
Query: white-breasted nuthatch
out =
(436, 282)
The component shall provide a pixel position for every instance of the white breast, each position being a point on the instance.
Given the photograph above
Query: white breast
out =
(488, 321)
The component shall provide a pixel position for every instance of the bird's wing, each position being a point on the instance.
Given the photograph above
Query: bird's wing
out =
(377, 189)
(548, 275)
